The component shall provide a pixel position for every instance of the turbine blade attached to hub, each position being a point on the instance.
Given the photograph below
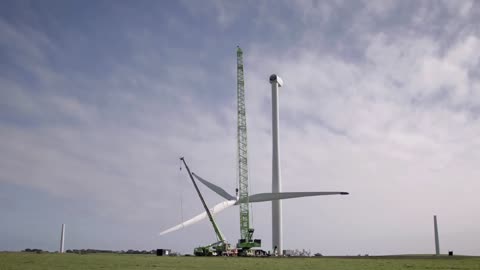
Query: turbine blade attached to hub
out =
(214, 210)
(264, 197)
(220, 191)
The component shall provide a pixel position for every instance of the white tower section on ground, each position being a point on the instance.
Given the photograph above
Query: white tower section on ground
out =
(277, 243)
(62, 239)
(437, 241)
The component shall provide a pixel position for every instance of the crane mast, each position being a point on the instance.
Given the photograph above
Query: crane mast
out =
(242, 150)
(246, 233)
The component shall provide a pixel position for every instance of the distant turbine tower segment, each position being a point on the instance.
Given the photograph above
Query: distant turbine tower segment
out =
(437, 241)
(62, 239)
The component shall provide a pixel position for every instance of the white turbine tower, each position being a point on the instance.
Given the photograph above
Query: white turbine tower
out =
(62, 239)
(277, 243)
(437, 241)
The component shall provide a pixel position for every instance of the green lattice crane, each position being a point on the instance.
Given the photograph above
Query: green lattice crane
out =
(246, 233)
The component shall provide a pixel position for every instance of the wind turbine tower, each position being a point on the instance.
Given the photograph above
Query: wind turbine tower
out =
(277, 242)
(62, 239)
(437, 241)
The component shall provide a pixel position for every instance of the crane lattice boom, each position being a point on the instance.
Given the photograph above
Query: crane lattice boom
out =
(242, 150)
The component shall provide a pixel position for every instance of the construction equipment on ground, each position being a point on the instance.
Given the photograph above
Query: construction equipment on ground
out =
(219, 248)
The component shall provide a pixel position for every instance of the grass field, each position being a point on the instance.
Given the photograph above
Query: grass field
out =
(14, 261)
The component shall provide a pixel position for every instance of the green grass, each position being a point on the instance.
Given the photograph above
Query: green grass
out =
(11, 261)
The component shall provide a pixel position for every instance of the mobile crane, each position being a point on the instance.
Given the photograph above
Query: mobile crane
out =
(246, 241)
(219, 248)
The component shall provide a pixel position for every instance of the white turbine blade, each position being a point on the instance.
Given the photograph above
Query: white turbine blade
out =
(186, 223)
(214, 210)
(264, 197)
(220, 191)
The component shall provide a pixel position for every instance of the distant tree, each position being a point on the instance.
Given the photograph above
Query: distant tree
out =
(36, 250)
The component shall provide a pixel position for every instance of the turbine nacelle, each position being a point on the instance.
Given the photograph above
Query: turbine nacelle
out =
(275, 78)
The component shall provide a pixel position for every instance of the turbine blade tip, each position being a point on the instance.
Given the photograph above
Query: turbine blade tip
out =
(344, 193)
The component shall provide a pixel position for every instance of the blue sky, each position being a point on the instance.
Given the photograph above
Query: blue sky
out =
(99, 99)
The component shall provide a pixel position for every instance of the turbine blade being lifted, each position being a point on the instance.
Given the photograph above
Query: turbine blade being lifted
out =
(264, 197)
(220, 191)
(214, 210)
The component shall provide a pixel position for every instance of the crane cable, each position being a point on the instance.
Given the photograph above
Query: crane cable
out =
(250, 204)
(181, 193)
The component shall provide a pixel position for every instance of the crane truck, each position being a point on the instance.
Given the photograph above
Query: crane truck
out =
(219, 248)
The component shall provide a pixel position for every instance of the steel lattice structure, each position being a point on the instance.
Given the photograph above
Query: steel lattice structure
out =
(242, 150)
